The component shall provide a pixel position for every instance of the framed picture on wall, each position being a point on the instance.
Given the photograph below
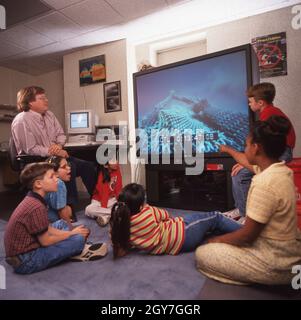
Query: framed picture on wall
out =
(92, 70)
(112, 96)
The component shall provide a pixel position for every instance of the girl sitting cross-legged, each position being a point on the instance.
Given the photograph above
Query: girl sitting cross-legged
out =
(135, 224)
(268, 246)
(107, 189)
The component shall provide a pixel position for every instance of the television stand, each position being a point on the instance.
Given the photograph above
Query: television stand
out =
(169, 186)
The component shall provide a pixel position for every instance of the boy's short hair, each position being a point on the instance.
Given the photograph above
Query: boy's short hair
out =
(33, 172)
(27, 95)
(262, 91)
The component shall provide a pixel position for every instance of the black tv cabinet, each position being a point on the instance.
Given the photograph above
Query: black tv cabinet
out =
(168, 186)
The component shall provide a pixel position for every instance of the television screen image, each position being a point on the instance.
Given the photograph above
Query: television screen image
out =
(207, 93)
(79, 120)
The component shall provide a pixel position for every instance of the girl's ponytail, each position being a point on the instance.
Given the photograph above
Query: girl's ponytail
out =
(130, 202)
(120, 228)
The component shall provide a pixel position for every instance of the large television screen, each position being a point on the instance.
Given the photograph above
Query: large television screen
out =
(208, 93)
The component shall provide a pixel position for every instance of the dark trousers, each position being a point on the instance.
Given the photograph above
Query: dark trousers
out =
(84, 169)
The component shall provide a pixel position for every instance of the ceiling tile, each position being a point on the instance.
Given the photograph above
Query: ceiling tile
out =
(24, 37)
(93, 14)
(137, 8)
(20, 66)
(54, 51)
(56, 26)
(8, 49)
(60, 4)
(33, 66)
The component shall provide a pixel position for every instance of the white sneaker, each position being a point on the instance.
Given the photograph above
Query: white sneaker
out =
(92, 252)
(242, 220)
(232, 214)
(103, 220)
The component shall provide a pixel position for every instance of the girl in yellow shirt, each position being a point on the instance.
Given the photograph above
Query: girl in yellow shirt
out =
(268, 246)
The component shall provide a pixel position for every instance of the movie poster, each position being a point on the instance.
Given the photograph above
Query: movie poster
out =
(271, 54)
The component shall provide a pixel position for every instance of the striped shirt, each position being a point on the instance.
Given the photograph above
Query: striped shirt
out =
(153, 230)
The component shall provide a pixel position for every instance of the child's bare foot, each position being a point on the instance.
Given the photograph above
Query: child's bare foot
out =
(121, 252)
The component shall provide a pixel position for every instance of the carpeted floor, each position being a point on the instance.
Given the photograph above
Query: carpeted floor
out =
(137, 276)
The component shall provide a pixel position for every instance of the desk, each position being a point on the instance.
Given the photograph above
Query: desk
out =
(88, 152)
(9, 177)
(3, 155)
(83, 152)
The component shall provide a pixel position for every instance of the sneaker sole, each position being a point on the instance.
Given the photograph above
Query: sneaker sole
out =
(93, 252)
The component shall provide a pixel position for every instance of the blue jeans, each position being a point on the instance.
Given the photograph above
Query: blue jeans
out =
(45, 257)
(84, 169)
(242, 181)
(197, 225)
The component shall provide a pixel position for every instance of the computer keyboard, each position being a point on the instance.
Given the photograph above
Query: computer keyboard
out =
(77, 144)
(93, 143)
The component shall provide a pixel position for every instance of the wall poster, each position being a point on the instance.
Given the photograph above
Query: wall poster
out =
(272, 55)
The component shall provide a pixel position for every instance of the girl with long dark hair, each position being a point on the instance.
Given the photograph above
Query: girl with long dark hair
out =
(135, 224)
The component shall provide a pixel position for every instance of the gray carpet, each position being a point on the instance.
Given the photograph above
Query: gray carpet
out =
(136, 276)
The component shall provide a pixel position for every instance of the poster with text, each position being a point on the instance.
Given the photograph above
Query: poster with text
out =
(271, 54)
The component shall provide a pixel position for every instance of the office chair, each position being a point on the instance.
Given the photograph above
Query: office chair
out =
(18, 162)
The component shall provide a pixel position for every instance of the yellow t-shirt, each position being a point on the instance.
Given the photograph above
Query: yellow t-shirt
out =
(272, 201)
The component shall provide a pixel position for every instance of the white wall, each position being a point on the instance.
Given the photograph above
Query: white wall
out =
(10, 82)
(53, 83)
(91, 96)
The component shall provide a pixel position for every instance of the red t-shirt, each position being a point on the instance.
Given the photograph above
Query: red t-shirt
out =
(104, 191)
(269, 111)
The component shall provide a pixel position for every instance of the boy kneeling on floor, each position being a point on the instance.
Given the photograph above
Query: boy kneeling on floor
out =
(31, 244)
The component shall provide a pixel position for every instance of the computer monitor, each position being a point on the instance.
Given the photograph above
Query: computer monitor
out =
(81, 122)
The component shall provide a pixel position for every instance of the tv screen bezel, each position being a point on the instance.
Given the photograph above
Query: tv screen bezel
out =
(252, 78)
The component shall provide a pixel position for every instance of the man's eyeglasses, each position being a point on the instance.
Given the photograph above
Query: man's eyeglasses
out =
(41, 98)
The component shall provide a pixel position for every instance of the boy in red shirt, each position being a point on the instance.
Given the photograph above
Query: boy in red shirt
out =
(261, 97)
